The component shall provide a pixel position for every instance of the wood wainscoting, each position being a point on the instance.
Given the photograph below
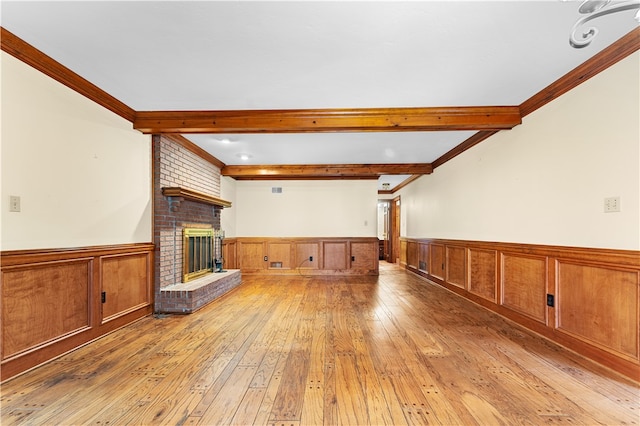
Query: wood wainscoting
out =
(585, 299)
(306, 256)
(56, 300)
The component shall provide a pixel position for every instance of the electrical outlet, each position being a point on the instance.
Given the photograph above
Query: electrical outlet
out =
(310, 258)
(551, 300)
(612, 204)
(14, 203)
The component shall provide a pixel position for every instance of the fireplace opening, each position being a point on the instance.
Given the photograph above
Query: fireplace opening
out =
(198, 253)
(202, 248)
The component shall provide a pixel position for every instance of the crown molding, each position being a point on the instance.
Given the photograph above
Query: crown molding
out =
(609, 56)
(187, 144)
(33, 57)
(465, 145)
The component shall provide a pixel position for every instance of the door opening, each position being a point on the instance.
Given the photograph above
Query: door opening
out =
(384, 224)
(394, 230)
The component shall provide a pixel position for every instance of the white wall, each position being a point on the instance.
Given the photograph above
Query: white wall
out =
(306, 209)
(544, 182)
(82, 173)
(228, 215)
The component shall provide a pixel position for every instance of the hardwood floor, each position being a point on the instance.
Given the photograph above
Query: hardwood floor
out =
(391, 350)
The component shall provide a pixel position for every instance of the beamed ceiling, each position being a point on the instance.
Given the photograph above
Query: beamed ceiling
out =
(318, 90)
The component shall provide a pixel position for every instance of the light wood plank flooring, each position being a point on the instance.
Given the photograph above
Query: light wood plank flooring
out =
(388, 350)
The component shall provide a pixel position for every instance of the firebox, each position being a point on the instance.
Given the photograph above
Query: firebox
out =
(198, 252)
(202, 248)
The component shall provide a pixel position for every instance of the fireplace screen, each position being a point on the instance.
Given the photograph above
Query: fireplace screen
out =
(198, 252)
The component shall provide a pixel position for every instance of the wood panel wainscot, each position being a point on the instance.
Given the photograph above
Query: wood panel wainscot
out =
(56, 300)
(302, 255)
(586, 299)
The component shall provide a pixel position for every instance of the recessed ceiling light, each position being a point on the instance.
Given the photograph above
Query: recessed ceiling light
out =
(244, 157)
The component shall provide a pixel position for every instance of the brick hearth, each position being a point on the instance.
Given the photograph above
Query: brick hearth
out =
(185, 298)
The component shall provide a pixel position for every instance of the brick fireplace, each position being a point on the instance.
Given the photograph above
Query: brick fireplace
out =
(185, 190)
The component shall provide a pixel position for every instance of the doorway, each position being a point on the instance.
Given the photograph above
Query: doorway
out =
(394, 230)
(384, 222)
(389, 229)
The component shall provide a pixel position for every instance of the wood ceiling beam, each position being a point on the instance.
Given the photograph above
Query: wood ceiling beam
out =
(323, 171)
(330, 120)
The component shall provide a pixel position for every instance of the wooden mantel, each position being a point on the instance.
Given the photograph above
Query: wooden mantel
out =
(191, 195)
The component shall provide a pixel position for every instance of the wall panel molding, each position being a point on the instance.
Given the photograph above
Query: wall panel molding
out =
(606, 315)
(52, 299)
(126, 280)
(437, 260)
(483, 273)
(44, 302)
(315, 256)
(524, 285)
(456, 265)
(595, 292)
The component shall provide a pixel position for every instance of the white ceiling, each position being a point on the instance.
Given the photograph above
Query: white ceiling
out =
(238, 55)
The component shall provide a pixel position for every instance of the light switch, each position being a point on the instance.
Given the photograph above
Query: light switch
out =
(14, 203)
(612, 204)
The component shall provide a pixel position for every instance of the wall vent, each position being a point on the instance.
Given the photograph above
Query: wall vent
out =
(276, 190)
